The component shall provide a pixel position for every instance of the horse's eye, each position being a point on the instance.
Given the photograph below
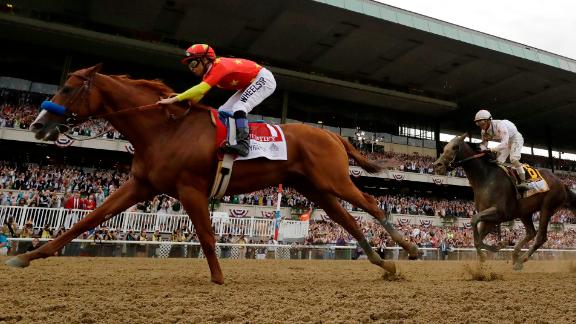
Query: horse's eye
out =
(66, 90)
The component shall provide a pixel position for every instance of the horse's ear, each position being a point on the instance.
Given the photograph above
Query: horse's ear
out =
(463, 136)
(95, 69)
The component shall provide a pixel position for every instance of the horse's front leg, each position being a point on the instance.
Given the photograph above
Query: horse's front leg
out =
(127, 195)
(517, 263)
(484, 228)
(541, 234)
(478, 229)
(195, 203)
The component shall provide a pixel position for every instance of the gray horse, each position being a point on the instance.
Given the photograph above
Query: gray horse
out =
(496, 199)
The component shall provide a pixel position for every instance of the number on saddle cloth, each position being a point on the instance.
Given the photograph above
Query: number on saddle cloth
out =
(531, 173)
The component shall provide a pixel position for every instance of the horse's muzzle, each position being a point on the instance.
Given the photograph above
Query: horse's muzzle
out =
(439, 168)
(46, 127)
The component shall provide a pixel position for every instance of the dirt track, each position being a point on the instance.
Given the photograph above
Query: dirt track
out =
(139, 290)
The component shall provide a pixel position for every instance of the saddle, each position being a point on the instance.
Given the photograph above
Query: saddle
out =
(267, 141)
(534, 180)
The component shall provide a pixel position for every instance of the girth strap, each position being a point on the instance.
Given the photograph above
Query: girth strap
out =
(224, 169)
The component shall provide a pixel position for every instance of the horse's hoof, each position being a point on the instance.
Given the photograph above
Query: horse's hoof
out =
(218, 281)
(389, 266)
(415, 253)
(518, 266)
(482, 256)
(17, 262)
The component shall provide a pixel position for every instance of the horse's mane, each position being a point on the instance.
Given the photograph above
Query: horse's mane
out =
(154, 85)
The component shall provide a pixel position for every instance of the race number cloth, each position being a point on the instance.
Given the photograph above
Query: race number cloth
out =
(536, 183)
(534, 180)
(266, 140)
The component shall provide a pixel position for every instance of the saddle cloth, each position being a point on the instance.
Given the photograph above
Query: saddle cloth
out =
(266, 140)
(536, 183)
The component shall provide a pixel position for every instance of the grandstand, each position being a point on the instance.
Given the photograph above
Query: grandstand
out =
(390, 81)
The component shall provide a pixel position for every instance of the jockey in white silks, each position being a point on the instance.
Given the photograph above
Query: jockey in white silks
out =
(511, 141)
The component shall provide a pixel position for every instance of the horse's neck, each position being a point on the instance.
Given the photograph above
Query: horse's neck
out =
(476, 171)
(142, 128)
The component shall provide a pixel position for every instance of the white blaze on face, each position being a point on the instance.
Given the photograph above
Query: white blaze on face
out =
(39, 122)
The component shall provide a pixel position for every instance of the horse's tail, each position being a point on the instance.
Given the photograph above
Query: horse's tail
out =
(363, 162)
(571, 202)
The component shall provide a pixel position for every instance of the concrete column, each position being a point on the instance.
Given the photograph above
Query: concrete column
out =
(439, 147)
(65, 68)
(285, 96)
(549, 145)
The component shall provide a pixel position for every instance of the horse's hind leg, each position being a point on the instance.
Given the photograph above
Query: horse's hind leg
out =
(517, 263)
(541, 235)
(353, 195)
(195, 203)
(336, 212)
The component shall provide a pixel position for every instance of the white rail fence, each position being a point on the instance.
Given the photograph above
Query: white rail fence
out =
(167, 249)
(222, 223)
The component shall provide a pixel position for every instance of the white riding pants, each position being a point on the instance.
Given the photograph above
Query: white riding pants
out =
(514, 150)
(246, 99)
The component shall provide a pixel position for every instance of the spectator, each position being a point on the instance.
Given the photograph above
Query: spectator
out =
(46, 232)
(10, 228)
(28, 230)
(35, 244)
(444, 249)
(4, 244)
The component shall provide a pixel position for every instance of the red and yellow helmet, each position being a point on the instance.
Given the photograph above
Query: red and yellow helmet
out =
(198, 51)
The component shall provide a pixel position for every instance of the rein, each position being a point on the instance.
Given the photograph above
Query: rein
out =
(72, 119)
(455, 164)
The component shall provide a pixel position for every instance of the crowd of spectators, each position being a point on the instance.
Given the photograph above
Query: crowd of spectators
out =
(18, 110)
(70, 187)
(327, 232)
(415, 163)
(33, 185)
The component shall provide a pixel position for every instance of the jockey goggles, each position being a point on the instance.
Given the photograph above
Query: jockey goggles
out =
(192, 64)
(481, 122)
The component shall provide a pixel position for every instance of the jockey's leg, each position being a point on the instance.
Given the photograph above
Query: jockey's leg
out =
(242, 146)
(242, 103)
(515, 154)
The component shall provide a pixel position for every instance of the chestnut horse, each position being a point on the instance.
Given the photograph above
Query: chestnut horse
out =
(178, 157)
(496, 201)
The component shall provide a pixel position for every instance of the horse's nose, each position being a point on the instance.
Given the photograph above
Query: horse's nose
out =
(437, 166)
(36, 127)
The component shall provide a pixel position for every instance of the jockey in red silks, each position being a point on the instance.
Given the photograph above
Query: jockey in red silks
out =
(252, 83)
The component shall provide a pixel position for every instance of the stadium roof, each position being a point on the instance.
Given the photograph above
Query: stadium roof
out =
(355, 50)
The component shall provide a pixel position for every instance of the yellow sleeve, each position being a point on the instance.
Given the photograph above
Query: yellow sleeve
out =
(195, 93)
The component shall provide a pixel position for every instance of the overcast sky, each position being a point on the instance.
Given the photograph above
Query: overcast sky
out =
(547, 25)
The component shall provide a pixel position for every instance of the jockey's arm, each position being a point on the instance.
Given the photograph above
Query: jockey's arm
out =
(505, 138)
(484, 144)
(195, 93)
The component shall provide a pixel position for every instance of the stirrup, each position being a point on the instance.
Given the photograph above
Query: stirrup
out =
(523, 186)
(233, 149)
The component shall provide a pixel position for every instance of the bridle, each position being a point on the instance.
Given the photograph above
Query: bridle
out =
(82, 94)
(453, 164)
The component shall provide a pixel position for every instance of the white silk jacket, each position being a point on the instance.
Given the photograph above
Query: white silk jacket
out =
(503, 131)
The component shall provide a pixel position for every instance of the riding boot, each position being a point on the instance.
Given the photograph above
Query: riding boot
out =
(522, 185)
(242, 147)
